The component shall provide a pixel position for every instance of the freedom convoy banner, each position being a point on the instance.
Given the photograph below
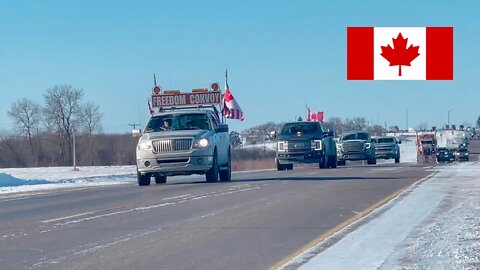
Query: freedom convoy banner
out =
(400, 53)
(186, 99)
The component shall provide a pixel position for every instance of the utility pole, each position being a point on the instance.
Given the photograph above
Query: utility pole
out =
(407, 120)
(74, 151)
(134, 125)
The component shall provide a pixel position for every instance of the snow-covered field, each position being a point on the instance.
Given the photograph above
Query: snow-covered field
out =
(33, 179)
(434, 225)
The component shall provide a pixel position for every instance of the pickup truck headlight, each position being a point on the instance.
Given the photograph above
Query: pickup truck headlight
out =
(316, 145)
(144, 145)
(202, 143)
(339, 147)
(368, 145)
(282, 146)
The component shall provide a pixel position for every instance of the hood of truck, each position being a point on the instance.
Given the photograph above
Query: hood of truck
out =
(303, 137)
(196, 134)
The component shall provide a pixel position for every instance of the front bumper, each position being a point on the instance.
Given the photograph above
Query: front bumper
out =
(195, 161)
(353, 156)
(386, 154)
(288, 157)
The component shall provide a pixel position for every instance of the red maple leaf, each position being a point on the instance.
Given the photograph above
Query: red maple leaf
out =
(400, 55)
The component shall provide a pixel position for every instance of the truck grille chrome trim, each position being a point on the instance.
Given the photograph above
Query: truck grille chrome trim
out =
(353, 147)
(171, 145)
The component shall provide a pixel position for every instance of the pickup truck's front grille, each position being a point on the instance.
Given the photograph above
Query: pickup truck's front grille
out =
(171, 145)
(380, 148)
(353, 147)
(299, 145)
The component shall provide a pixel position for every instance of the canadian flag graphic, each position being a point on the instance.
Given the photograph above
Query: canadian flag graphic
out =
(400, 53)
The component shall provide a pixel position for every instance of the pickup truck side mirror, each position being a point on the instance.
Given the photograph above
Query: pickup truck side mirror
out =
(399, 141)
(273, 134)
(136, 133)
(222, 128)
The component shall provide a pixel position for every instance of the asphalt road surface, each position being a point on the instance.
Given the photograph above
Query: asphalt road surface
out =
(253, 222)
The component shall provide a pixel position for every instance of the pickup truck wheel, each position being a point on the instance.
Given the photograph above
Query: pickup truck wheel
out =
(341, 162)
(212, 174)
(332, 160)
(161, 179)
(289, 167)
(226, 175)
(143, 180)
(397, 159)
(323, 163)
(280, 167)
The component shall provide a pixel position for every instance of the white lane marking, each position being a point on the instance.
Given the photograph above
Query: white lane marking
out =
(149, 207)
(141, 208)
(66, 217)
(176, 197)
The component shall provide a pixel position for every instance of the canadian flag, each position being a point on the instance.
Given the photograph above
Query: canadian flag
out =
(400, 53)
(231, 109)
(313, 116)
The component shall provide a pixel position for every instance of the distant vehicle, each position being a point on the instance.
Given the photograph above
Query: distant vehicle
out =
(356, 146)
(305, 142)
(387, 147)
(462, 154)
(426, 147)
(445, 155)
(185, 137)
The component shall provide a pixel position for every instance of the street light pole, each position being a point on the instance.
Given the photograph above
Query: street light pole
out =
(449, 117)
(74, 151)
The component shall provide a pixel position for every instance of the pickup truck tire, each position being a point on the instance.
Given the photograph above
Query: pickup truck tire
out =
(341, 162)
(212, 174)
(372, 161)
(160, 179)
(280, 167)
(397, 159)
(226, 175)
(289, 167)
(323, 164)
(143, 180)
(332, 162)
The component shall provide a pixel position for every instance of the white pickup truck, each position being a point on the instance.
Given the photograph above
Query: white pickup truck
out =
(184, 141)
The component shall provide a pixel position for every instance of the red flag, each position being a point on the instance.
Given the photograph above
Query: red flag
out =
(320, 117)
(313, 116)
(231, 109)
(400, 53)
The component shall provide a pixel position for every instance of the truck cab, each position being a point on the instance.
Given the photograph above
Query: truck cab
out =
(183, 140)
(305, 142)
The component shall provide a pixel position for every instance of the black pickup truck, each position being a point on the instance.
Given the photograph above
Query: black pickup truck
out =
(305, 142)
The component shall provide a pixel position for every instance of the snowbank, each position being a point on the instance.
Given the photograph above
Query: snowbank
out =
(435, 225)
(30, 179)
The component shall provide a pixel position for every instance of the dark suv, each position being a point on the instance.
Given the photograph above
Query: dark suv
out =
(356, 146)
(305, 142)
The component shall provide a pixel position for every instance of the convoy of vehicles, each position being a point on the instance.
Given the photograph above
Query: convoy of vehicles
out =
(305, 142)
(356, 146)
(189, 136)
(186, 136)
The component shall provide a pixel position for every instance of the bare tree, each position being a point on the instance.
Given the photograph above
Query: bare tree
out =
(26, 115)
(62, 105)
(91, 119)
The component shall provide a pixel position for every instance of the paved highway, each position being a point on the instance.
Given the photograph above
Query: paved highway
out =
(253, 222)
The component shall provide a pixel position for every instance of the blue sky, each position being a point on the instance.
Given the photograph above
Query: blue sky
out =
(280, 55)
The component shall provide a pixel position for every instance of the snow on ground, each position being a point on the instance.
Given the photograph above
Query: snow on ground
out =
(435, 225)
(32, 179)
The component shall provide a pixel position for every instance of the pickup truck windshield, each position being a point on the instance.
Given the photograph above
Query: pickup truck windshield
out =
(169, 122)
(305, 128)
(355, 136)
(384, 140)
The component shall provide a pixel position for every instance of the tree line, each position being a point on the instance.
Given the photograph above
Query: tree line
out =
(44, 133)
